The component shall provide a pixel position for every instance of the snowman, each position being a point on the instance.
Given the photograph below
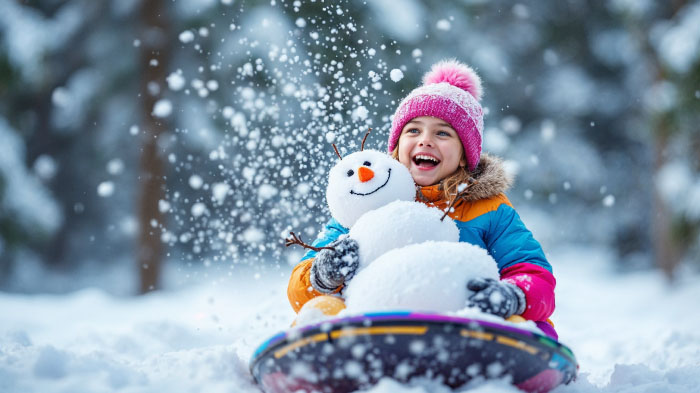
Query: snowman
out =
(410, 254)
(373, 195)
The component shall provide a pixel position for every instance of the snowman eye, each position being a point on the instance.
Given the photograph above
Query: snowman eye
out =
(367, 163)
(351, 172)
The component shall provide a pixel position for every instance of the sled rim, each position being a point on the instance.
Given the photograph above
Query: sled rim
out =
(326, 327)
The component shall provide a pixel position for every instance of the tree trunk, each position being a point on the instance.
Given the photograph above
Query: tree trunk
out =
(153, 64)
(666, 250)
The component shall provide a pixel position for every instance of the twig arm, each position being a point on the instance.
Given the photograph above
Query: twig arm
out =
(459, 198)
(296, 240)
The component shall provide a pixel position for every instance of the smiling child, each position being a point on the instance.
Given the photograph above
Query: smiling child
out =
(437, 134)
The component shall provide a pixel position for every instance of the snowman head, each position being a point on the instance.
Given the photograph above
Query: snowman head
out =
(366, 180)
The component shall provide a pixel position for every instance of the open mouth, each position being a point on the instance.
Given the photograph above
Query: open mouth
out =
(388, 176)
(425, 161)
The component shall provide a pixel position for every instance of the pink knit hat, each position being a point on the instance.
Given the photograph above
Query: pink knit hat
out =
(451, 91)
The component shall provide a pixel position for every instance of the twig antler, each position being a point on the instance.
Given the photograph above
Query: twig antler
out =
(336, 151)
(294, 239)
(460, 197)
(362, 147)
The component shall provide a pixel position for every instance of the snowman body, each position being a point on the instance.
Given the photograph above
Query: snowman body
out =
(399, 224)
(410, 258)
(429, 276)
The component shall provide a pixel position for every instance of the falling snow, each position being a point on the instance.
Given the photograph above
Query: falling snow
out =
(396, 75)
(162, 108)
(186, 36)
(105, 189)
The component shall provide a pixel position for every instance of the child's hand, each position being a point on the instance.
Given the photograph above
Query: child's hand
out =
(496, 297)
(332, 268)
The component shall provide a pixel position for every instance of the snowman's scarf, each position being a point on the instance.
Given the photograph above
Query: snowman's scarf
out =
(490, 179)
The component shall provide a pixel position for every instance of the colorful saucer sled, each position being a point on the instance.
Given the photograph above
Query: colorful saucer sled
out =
(348, 354)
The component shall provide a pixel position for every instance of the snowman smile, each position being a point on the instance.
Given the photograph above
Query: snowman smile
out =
(388, 176)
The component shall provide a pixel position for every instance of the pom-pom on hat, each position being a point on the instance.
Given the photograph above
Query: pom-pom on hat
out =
(451, 91)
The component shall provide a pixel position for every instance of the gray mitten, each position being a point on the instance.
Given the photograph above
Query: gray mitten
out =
(332, 268)
(496, 297)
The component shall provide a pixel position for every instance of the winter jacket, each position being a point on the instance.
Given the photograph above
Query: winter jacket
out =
(486, 219)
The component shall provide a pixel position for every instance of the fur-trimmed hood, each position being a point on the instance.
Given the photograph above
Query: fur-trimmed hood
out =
(491, 179)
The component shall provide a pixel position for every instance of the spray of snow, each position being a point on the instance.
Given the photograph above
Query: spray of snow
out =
(195, 182)
(186, 36)
(162, 108)
(198, 209)
(220, 191)
(105, 189)
(176, 81)
(396, 75)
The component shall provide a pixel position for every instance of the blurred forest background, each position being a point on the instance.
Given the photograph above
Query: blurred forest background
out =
(144, 135)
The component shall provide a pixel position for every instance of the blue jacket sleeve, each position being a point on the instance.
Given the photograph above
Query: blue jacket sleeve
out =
(509, 242)
(330, 232)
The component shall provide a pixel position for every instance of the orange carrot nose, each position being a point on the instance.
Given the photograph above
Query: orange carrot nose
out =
(365, 174)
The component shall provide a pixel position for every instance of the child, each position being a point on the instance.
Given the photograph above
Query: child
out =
(436, 133)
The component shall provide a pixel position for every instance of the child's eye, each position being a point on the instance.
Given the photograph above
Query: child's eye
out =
(412, 131)
(367, 163)
(443, 133)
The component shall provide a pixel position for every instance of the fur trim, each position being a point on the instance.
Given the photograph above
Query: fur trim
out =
(491, 178)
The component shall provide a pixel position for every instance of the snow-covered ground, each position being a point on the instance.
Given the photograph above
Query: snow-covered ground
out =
(631, 333)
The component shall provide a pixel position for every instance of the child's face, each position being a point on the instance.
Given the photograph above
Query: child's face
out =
(430, 149)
